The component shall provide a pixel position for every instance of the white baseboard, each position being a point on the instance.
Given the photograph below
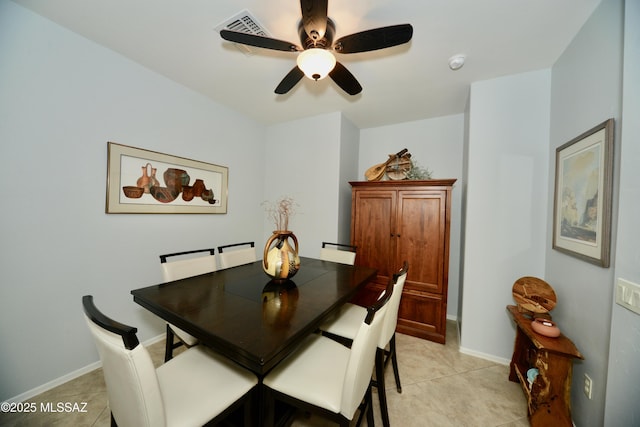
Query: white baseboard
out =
(54, 383)
(485, 356)
(70, 376)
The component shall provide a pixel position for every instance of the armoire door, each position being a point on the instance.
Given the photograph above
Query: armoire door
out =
(421, 238)
(422, 223)
(372, 228)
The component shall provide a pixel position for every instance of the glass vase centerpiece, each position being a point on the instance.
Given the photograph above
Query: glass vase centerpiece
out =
(281, 261)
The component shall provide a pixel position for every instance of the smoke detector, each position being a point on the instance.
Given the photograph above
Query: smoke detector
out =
(456, 62)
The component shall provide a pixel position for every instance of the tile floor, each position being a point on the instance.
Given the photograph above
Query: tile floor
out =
(440, 387)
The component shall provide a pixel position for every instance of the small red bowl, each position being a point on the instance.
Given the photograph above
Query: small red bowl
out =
(545, 327)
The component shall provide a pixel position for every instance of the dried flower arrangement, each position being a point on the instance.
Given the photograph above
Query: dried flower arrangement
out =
(280, 211)
(417, 172)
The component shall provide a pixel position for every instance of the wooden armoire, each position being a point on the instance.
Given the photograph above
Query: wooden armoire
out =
(397, 221)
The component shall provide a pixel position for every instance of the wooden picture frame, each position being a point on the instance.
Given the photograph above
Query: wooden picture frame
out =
(143, 181)
(582, 196)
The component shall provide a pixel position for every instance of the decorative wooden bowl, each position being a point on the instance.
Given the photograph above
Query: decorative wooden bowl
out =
(533, 295)
(133, 192)
(545, 327)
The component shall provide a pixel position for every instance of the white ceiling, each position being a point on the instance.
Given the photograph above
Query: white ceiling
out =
(176, 38)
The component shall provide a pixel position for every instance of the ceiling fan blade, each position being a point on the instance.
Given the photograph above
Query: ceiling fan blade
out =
(378, 38)
(314, 17)
(345, 79)
(289, 81)
(259, 41)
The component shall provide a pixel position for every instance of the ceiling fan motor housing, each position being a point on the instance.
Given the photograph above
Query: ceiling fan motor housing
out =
(308, 42)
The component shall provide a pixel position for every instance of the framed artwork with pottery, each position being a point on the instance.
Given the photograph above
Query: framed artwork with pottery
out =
(143, 181)
(582, 199)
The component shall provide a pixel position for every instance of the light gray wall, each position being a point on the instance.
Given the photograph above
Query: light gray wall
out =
(349, 150)
(623, 387)
(312, 160)
(586, 90)
(435, 144)
(463, 209)
(62, 98)
(506, 204)
(303, 162)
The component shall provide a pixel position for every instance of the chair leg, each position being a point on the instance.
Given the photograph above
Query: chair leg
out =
(266, 405)
(382, 394)
(168, 347)
(394, 361)
(369, 406)
(365, 409)
(248, 406)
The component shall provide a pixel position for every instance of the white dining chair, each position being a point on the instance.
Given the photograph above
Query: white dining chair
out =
(338, 252)
(328, 378)
(233, 254)
(345, 325)
(194, 388)
(188, 265)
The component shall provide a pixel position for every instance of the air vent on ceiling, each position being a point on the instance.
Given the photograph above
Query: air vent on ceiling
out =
(243, 22)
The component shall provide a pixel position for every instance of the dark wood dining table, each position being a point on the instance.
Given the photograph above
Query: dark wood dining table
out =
(242, 314)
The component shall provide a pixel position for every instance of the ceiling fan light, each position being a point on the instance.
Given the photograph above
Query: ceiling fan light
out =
(316, 63)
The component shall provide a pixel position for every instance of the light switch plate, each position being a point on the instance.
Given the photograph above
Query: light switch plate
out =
(628, 295)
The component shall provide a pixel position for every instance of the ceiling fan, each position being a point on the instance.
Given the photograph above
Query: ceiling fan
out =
(315, 60)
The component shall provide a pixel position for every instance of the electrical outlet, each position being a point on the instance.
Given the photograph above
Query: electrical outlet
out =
(588, 385)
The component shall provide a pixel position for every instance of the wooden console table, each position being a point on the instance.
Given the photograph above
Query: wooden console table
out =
(549, 396)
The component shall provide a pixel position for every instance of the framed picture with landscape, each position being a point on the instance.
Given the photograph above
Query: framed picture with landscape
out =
(143, 181)
(582, 197)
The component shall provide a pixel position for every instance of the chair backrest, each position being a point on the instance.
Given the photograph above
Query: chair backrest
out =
(187, 267)
(338, 252)
(391, 317)
(236, 256)
(133, 390)
(363, 352)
